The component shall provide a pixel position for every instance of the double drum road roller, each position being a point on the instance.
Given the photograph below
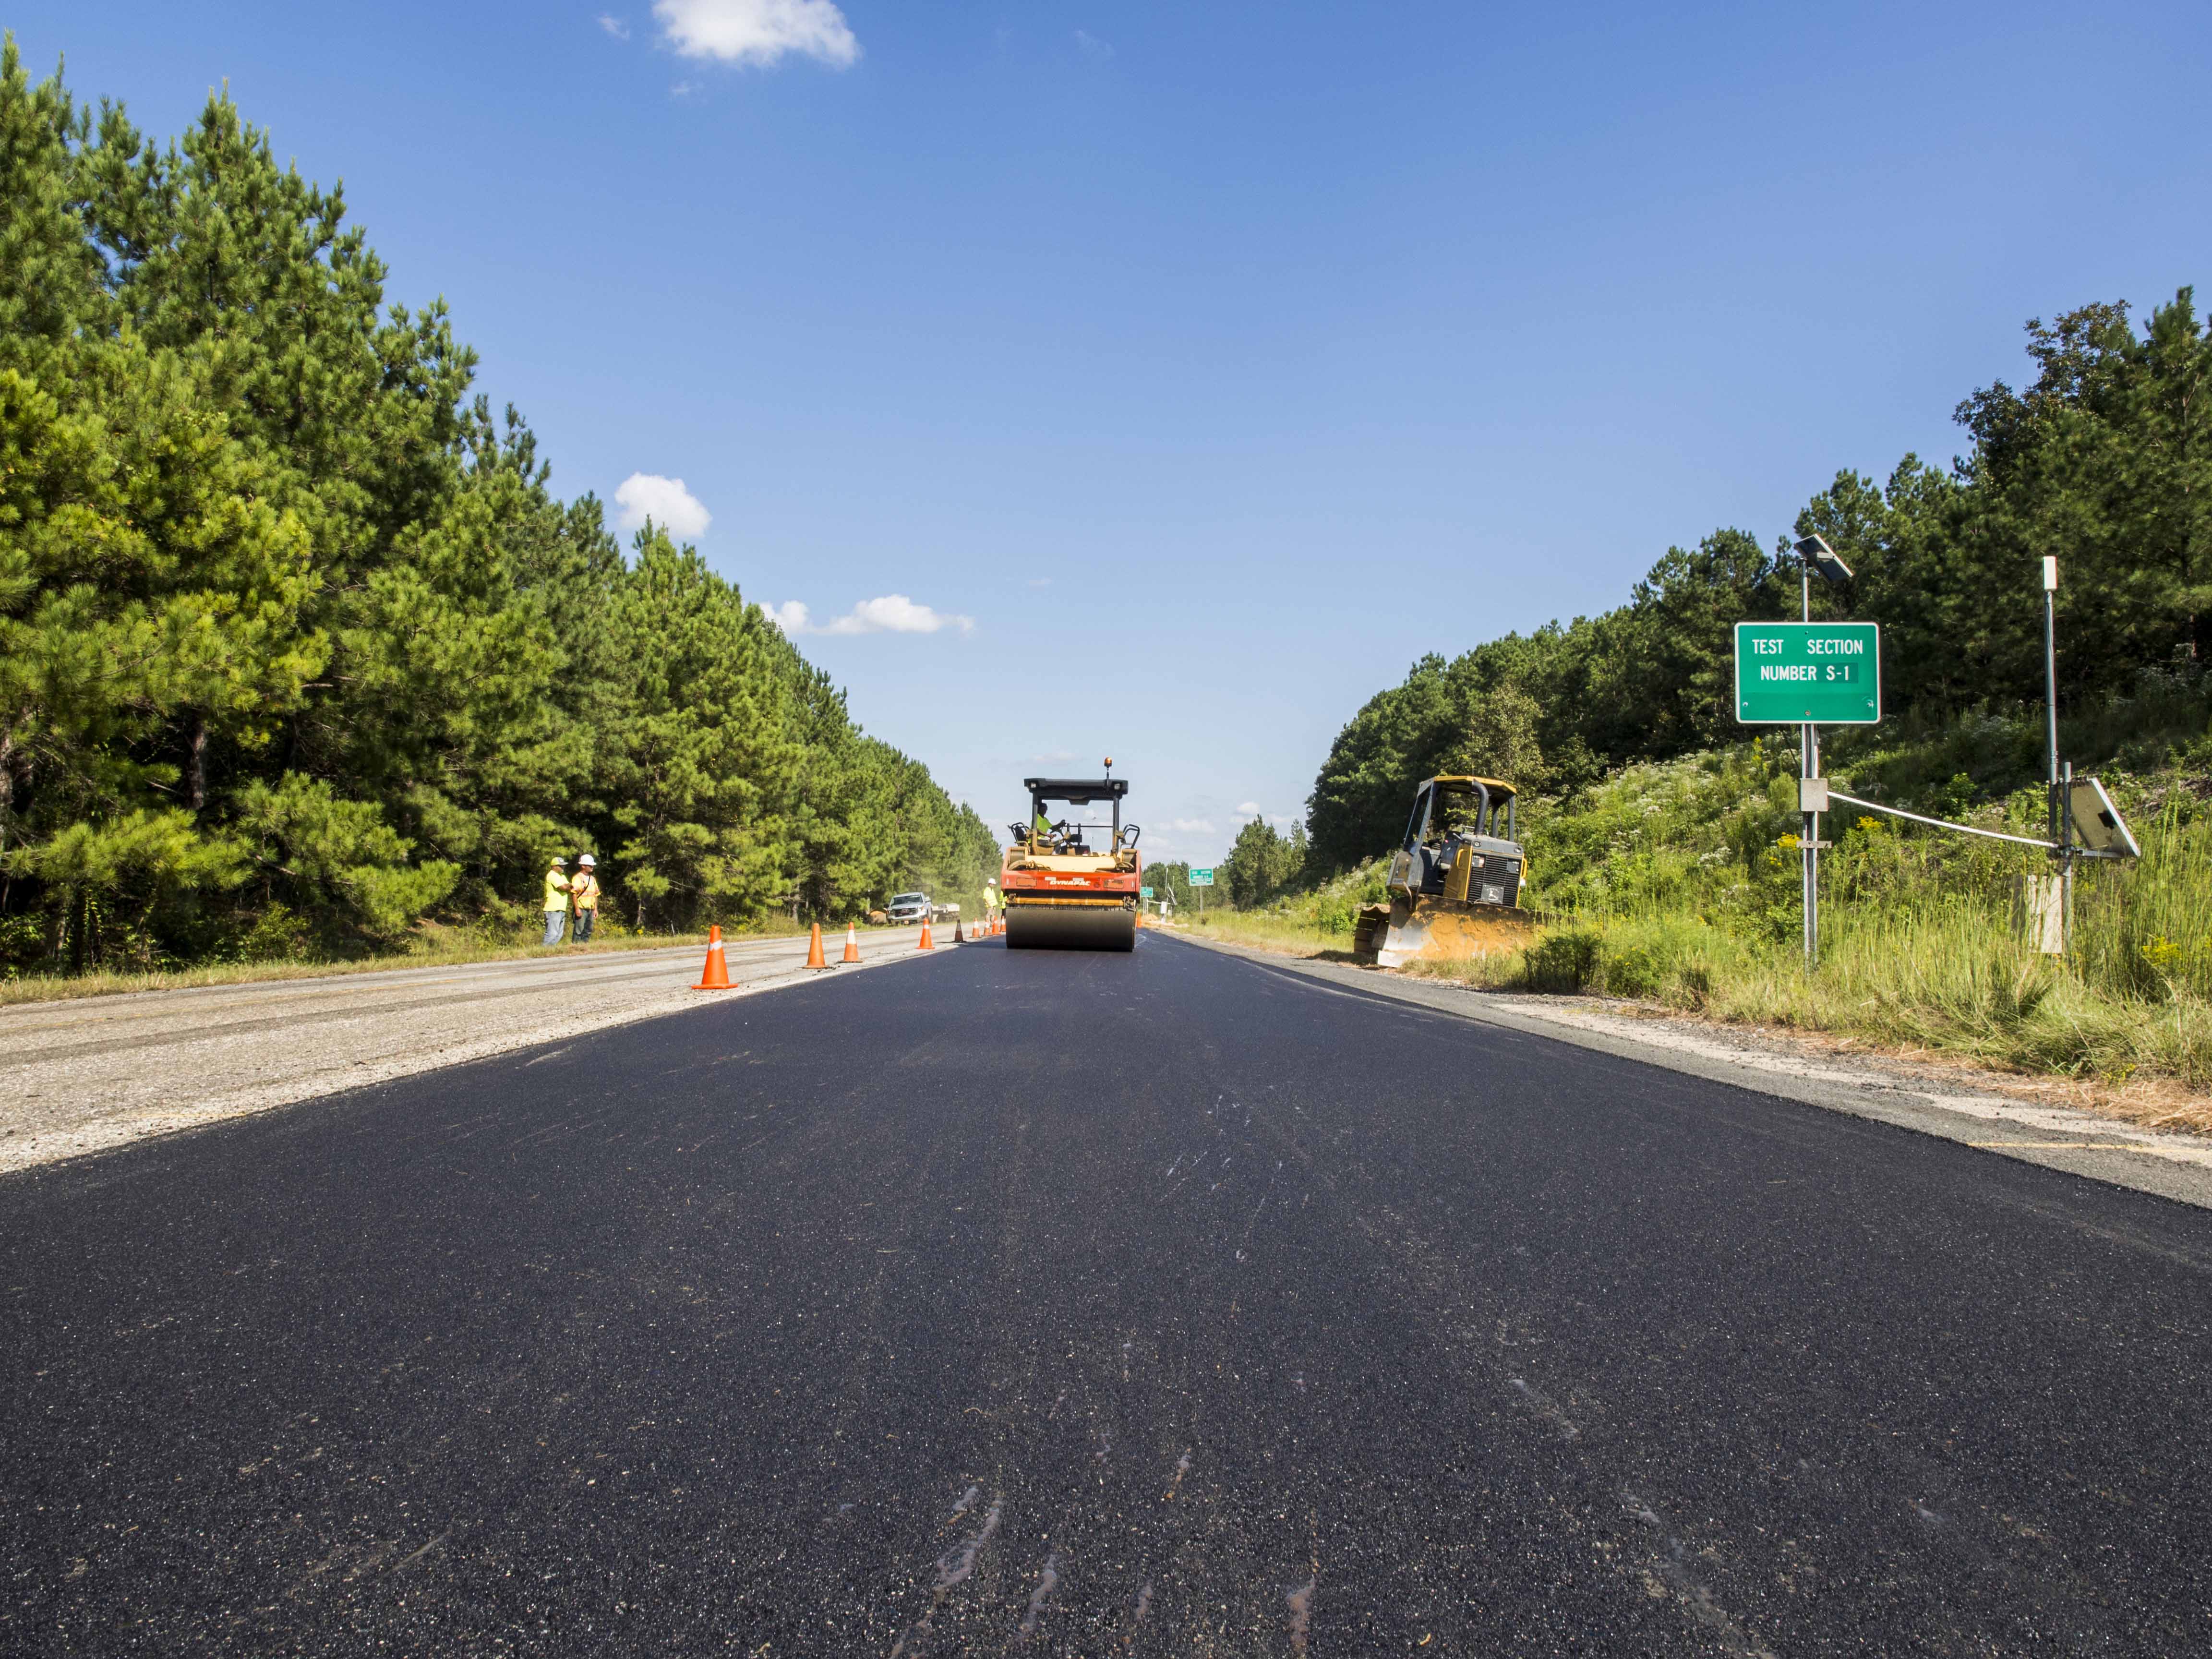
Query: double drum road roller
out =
(1062, 893)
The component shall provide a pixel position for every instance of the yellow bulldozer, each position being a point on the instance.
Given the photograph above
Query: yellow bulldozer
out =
(1454, 881)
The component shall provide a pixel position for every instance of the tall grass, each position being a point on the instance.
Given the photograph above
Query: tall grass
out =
(1677, 883)
(2144, 929)
(1922, 950)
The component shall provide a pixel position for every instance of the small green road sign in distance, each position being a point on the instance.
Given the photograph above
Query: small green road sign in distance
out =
(1809, 673)
(1144, 892)
(1202, 877)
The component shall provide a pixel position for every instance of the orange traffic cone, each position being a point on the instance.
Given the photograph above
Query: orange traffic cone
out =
(715, 975)
(957, 939)
(852, 944)
(926, 943)
(814, 956)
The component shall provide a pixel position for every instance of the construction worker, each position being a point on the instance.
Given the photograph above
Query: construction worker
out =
(556, 899)
(584, 897)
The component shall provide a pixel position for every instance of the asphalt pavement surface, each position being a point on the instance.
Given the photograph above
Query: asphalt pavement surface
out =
(1031, 1301)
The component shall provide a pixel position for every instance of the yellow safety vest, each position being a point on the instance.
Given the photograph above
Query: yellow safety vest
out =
(584, 890)
(556, 892)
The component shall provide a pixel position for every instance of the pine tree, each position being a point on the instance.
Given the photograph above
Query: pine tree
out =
(703, 754)
(297, 646)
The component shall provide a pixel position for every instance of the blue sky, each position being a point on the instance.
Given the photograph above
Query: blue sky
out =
(1194, 367)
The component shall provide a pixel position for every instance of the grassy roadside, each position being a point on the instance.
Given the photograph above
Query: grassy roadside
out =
(1269, 930)
(1674, 886)
(431, 948)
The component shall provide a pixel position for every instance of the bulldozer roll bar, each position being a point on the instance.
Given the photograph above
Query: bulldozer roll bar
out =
(1490, 795)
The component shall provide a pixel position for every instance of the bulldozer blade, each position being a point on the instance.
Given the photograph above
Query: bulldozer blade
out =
(1441, 935)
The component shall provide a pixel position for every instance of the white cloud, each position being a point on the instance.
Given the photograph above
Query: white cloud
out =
(1192, 826)
(757, 30)
(892, 613)
(1092, 47)
(665, 502)
(1249, 809)
(614, 26)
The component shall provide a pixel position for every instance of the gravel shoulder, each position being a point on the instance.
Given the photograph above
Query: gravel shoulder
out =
(82, 1077)
(2035, 1121)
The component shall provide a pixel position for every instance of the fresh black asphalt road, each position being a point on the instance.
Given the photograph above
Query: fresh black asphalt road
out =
(1025, 1302)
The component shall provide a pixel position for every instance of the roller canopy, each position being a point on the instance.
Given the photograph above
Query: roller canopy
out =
(1077, 792)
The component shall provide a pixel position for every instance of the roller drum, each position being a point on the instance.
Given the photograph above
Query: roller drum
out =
(1033, 926)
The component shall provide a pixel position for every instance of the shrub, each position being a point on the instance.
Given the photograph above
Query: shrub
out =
(1563, 960)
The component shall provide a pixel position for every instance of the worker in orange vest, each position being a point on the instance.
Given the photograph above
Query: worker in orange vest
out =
(584, 897)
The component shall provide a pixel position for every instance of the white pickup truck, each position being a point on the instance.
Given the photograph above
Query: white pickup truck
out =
(907, 908)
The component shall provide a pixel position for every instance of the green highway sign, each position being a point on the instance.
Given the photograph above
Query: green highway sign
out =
(1144, 892)
(1202, 877)
(1809, 673)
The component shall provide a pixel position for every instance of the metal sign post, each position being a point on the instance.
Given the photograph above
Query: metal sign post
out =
(1812, 801)
(1808, 768)
(1809, 674)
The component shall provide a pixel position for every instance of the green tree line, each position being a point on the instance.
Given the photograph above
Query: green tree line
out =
(2105, 460)
(1262, 862)
(299, 648)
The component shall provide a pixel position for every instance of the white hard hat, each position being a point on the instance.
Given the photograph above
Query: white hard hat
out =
(587, 860)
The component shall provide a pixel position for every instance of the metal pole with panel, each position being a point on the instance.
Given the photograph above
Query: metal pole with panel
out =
(2066, 861)
(2060, 778)
(2051, 687)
